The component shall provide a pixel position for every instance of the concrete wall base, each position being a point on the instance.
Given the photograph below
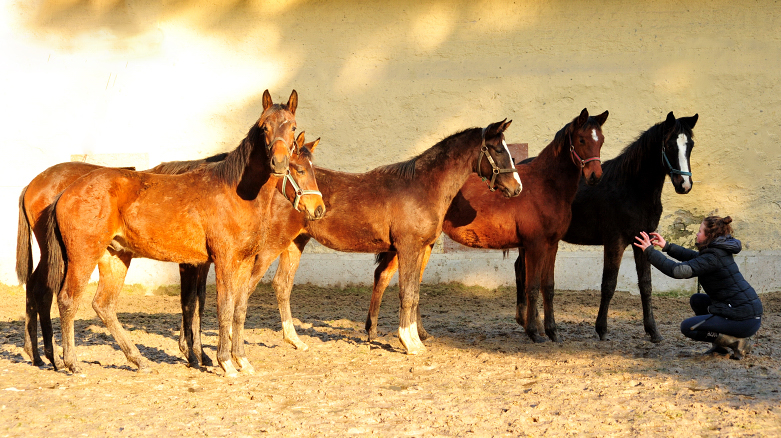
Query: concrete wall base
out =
(575, 270)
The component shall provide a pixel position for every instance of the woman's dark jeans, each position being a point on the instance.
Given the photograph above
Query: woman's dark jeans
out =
(706, 327)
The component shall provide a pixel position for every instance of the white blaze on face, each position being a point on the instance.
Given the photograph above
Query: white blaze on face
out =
(683, 141)
(512, 163)
(594, 135)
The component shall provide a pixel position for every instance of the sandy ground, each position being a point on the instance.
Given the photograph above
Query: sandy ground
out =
(481, 376)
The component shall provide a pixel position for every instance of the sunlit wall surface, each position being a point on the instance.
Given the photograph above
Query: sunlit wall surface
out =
(382, 81)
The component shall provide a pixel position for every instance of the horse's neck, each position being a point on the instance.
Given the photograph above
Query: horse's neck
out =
(448, 176)
(565, 174)
(650, 172)
(257, 182)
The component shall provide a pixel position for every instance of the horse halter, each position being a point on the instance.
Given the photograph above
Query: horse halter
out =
(495, 170)
(299, 192)
(576, 158)
(670, 168)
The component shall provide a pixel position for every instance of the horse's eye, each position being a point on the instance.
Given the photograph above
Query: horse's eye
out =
(294, 129)
(300, 171)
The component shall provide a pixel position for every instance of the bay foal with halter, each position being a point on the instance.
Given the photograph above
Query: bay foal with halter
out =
(402, 212)
(628, 201)
(34, 211)
(533, 222)
(221, 212)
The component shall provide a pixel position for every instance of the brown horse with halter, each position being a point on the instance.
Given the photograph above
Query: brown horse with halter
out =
(404, 214)
(221, 212)
(533, 222)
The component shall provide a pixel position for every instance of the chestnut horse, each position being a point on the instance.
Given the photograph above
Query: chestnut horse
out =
(628, 201)
(221, 212)
(403, 213)
(534, 222)
(34, 203)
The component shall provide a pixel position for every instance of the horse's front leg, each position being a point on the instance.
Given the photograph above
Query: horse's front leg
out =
(283, 286)
(249, 274)
(422, 333)
(520, 288)
(230, 274)
(113, 268)
(643, 267)
(613, 251)
(548, 292)
(410, 262)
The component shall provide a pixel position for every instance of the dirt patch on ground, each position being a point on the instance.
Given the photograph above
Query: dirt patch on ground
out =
(481, 375)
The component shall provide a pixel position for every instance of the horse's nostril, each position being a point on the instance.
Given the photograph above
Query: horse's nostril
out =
(319, 212)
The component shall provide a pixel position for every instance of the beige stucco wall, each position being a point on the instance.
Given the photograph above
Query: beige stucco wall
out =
(381, 81)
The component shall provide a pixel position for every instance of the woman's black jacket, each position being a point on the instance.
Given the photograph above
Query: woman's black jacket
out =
(732, 296)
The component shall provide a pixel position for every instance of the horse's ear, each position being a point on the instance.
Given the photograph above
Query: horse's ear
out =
(267, 100)
(497, 128)
(506, 125)
(292, 103)
(601, 118)
(580, 120)
(690, 121)
(670, 119)
(301, 139)
(313, 145)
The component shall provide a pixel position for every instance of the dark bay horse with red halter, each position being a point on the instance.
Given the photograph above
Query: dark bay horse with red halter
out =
(400, 208)
(533, 222)
(220, 212)
(34, 210)
(628, 201)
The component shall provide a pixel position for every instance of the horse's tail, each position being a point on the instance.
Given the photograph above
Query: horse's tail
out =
(505, 253)
(58, 261)
(24, 248)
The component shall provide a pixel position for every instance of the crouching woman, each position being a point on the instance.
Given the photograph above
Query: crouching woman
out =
(729, 311)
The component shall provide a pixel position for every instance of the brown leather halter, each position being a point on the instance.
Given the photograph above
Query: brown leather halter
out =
(495, 170)
(576, 158)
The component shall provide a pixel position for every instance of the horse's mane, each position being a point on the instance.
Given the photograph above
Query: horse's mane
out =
(435, 154)
(177, 167)
(631, 159)
(231, 169)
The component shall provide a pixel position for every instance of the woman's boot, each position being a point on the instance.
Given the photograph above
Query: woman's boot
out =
(739, 346)
(716, 350)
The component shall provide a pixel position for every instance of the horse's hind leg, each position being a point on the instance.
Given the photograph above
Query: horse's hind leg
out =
(533, 260)
(613, 251)
(520, 288)
(31, 321)
(548, 284)
(422, 333)
(113, 268)
(283, 286)
(643, 267)
(193, 298)
(387, 267)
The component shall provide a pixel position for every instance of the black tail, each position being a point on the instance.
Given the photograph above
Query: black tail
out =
(24, 249)
(58, 262)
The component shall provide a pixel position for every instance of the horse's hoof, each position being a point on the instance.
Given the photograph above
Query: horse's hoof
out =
(230, 370)
(245, 367)
(656, 338)
(38, 362)
(423, 335)
(206, 360)
(537, 339)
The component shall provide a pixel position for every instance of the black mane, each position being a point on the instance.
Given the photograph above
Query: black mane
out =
(648, 146)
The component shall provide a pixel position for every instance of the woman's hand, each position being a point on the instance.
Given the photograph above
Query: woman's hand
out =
(643, 240)
(658, 240)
